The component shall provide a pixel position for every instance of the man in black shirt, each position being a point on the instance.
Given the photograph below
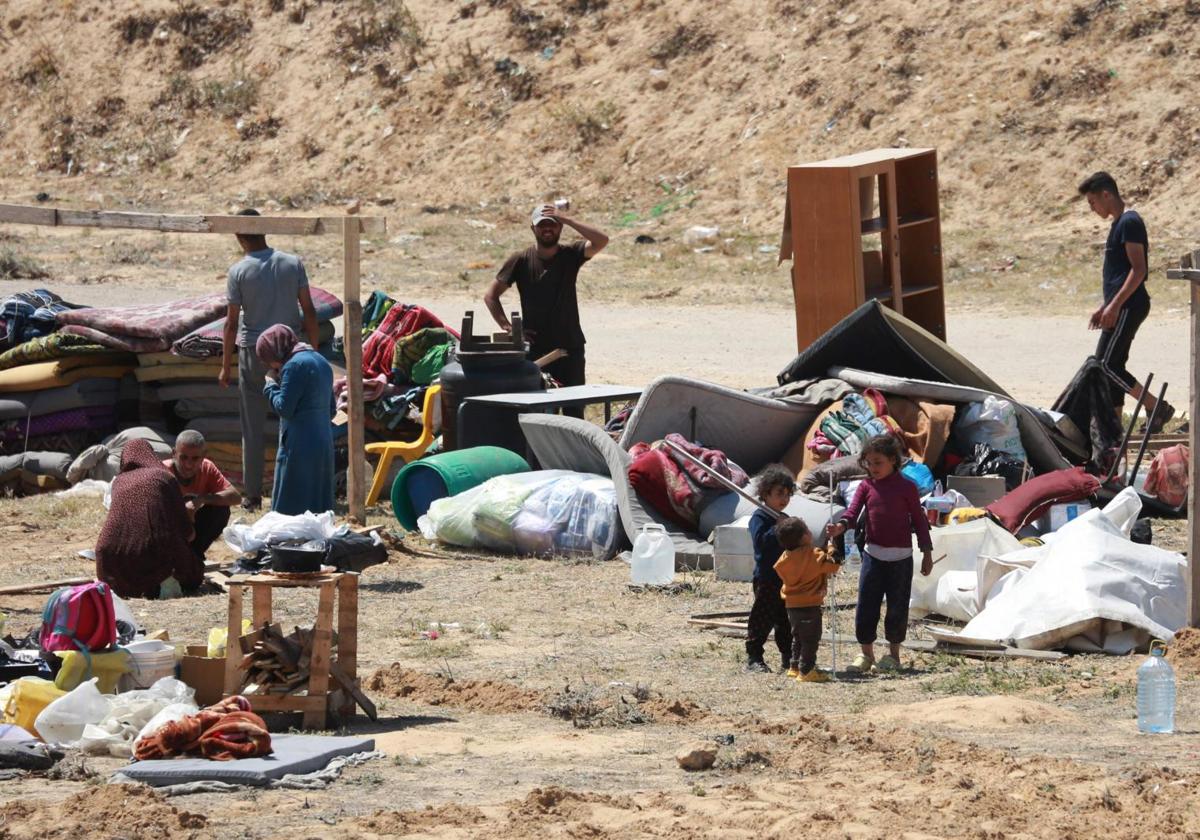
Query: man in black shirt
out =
(545, 277)
(1126, 301)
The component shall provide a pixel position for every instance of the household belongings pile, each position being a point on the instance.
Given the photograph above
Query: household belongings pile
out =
(344, 549)
(545, 513)
(405, 348)
(71, 376)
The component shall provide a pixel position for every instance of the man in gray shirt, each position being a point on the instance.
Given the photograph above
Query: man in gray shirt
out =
(263, 290)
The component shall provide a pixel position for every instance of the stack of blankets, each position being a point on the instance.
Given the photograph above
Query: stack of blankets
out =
(71, 376)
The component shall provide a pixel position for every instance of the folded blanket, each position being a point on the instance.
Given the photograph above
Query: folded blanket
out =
(87, 418)
(68, 443)
(924, 427)
(190, 370)
(45, 375)
(675, 487)
(221, 732)
(161, 323)
(205, 340)
(862, 417)
(57, 346)
(401, 320)
(81, 393)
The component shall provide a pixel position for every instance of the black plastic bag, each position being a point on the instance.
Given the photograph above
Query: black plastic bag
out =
(987, 461)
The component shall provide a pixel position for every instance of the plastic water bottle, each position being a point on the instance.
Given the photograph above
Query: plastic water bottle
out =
(653, 560)
(852, 552)
(1156, 692)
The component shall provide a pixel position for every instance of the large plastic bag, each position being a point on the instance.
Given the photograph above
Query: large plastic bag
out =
(131, 712)
(992, 422)
(276, 527)
(541, 512)
(63, 721)
(482, 517)
(576, 514)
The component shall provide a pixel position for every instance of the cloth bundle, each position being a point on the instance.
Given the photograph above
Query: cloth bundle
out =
(676, 488)
(27, 315)
(862, 417)
(374, 310)
(1167, 479)
(379, 349)
(143, 329)
(205, 341)
(420, 357)
(54, 346)
(221, 732)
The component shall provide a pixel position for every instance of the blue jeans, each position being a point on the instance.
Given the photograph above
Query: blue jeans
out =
(880, 579)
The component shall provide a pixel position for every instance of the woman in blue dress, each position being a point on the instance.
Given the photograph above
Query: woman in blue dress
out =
(300, 390)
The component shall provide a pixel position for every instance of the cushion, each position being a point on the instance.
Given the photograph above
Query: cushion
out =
(292, 754)
(44, 375)
(1032, 499)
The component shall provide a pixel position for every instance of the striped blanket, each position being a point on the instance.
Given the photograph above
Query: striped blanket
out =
(205, 341)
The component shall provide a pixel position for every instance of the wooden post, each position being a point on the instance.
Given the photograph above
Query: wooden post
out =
(1189, 270)
(356, 487)
(1193, 578)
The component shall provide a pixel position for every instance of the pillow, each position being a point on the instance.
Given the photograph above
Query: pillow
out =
(1026, 503)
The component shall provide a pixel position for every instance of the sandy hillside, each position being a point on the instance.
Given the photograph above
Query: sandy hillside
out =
(645, 107)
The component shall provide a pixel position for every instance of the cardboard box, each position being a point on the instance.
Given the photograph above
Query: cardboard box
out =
(203, 673)
(982, 490)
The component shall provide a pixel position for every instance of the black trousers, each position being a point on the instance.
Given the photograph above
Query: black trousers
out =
(570, 370)
(879, 580)
(766, 614)
(1115, 343)
(806, 636)
(210, 522)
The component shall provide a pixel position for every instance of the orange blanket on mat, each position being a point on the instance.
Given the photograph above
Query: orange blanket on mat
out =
(222, 732)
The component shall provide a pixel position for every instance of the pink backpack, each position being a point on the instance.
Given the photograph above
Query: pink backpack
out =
(79, 618)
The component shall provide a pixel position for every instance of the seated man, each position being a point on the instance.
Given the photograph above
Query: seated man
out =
(207, 492)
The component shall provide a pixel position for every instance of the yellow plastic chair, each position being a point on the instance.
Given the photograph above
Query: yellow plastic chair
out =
(405, 450)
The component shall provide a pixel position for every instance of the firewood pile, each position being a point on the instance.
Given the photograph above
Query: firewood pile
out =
(278, 664)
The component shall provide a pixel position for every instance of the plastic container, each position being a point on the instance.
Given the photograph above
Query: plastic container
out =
(478, 374)
(28, 697)
(423, 482)
(653, 562)
(1156, 692)
(149, 662)
(107, 668)
(852, 552)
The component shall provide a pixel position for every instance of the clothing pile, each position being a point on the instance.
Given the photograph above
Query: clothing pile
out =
(222, 732)
(675, 487)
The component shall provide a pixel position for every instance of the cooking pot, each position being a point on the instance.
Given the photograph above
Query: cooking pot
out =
(295, 557)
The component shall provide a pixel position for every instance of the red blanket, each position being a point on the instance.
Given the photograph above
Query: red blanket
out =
(222, 732)
(401, 320)
(675, 487)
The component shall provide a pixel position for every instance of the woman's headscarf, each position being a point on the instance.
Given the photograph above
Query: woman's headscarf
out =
(137, 455)
(277, 345)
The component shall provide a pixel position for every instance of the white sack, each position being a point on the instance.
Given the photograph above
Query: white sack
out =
(130, 712)
(64, 719)
(955, 596)
(1091, 574)
(276, 527)
(962, 545)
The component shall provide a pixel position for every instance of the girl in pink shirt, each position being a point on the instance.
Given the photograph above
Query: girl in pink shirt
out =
(893, 514)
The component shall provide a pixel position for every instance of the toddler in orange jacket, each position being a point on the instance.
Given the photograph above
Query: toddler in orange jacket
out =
(804, 570)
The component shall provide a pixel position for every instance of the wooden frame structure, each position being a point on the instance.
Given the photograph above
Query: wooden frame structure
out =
(350, 228)
(1189, 269)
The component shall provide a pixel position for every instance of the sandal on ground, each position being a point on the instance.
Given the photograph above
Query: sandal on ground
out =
(887, 664)
(861, 664)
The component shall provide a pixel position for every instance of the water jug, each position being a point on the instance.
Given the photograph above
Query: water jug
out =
(852, 552)
(653, 561)
(1156, 692)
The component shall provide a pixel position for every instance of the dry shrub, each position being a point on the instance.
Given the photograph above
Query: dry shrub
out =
(687, 39)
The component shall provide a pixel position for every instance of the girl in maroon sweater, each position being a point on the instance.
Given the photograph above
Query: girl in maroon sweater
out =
(894, 512)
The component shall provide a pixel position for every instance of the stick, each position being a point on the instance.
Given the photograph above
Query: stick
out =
(832, 598)
(24, 588)
(722, 480)
(1137, 409)
(1162, 392)
(551, 357)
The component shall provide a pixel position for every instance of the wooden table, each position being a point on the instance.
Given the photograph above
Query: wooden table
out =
(552, 400)
(337, 590)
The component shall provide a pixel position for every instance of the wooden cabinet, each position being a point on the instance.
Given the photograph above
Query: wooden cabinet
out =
(860, 227)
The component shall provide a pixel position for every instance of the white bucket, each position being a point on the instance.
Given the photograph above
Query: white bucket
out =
(149, 662)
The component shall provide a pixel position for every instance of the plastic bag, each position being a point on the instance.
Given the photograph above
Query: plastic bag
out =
(277, 527)
(987, 461)
(992, 422)
(576, 515)
(543, 512)
(63, 721)
(218, 639)
(131, 712)
(482, 517)
(920, 475)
